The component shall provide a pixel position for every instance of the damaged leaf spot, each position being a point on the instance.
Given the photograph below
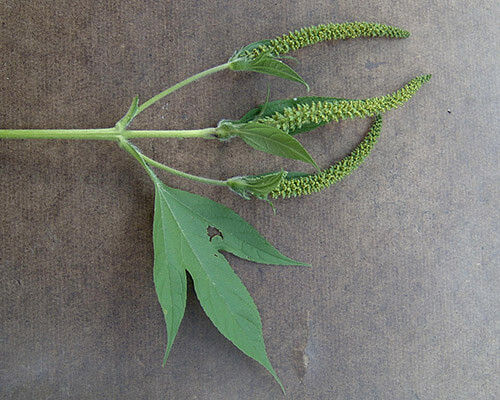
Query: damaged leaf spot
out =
(212, 231)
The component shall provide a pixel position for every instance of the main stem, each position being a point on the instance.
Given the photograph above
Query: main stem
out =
(103, 134)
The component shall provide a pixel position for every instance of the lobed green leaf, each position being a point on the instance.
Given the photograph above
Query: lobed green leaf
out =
(182, 243)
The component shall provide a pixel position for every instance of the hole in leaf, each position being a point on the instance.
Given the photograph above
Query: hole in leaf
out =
(212, 231)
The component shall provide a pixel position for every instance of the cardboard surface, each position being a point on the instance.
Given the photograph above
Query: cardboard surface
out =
(401, 300)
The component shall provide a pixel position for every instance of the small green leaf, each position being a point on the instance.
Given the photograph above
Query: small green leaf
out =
(267, 64)
(258, 186)
(130, 115)
(245, 51)
(182, 242)
(268, 139)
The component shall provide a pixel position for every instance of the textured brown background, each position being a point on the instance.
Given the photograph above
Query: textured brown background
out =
(401, 301)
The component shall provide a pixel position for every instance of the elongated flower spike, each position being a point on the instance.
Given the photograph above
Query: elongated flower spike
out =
(298, 184)
(319, 33)
(306, 113)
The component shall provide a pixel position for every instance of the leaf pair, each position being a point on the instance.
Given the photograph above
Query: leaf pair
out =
(182, 243)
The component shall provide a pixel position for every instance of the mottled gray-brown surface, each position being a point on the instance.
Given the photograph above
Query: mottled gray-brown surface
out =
(401, 300)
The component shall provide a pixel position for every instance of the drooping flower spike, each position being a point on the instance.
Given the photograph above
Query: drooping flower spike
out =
(293, 185)
(320, 33)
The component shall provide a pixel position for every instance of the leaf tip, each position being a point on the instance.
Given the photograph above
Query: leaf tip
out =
(313, 163)
(281, 386)
(302, 264)
(167, 352)
(275, 376)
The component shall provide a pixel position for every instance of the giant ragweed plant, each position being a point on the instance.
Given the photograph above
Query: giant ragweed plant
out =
(190, 231)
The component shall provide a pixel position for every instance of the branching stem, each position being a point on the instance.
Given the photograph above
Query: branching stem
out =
(174, 171)
(115, 133)
(145, 161)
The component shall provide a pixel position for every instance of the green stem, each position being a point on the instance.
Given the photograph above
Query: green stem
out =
(96, 134)
(144, 160)
(174, 171)
(206, 133)
(103, 134)
(171, 89)
(120, 135)
(134, 151)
